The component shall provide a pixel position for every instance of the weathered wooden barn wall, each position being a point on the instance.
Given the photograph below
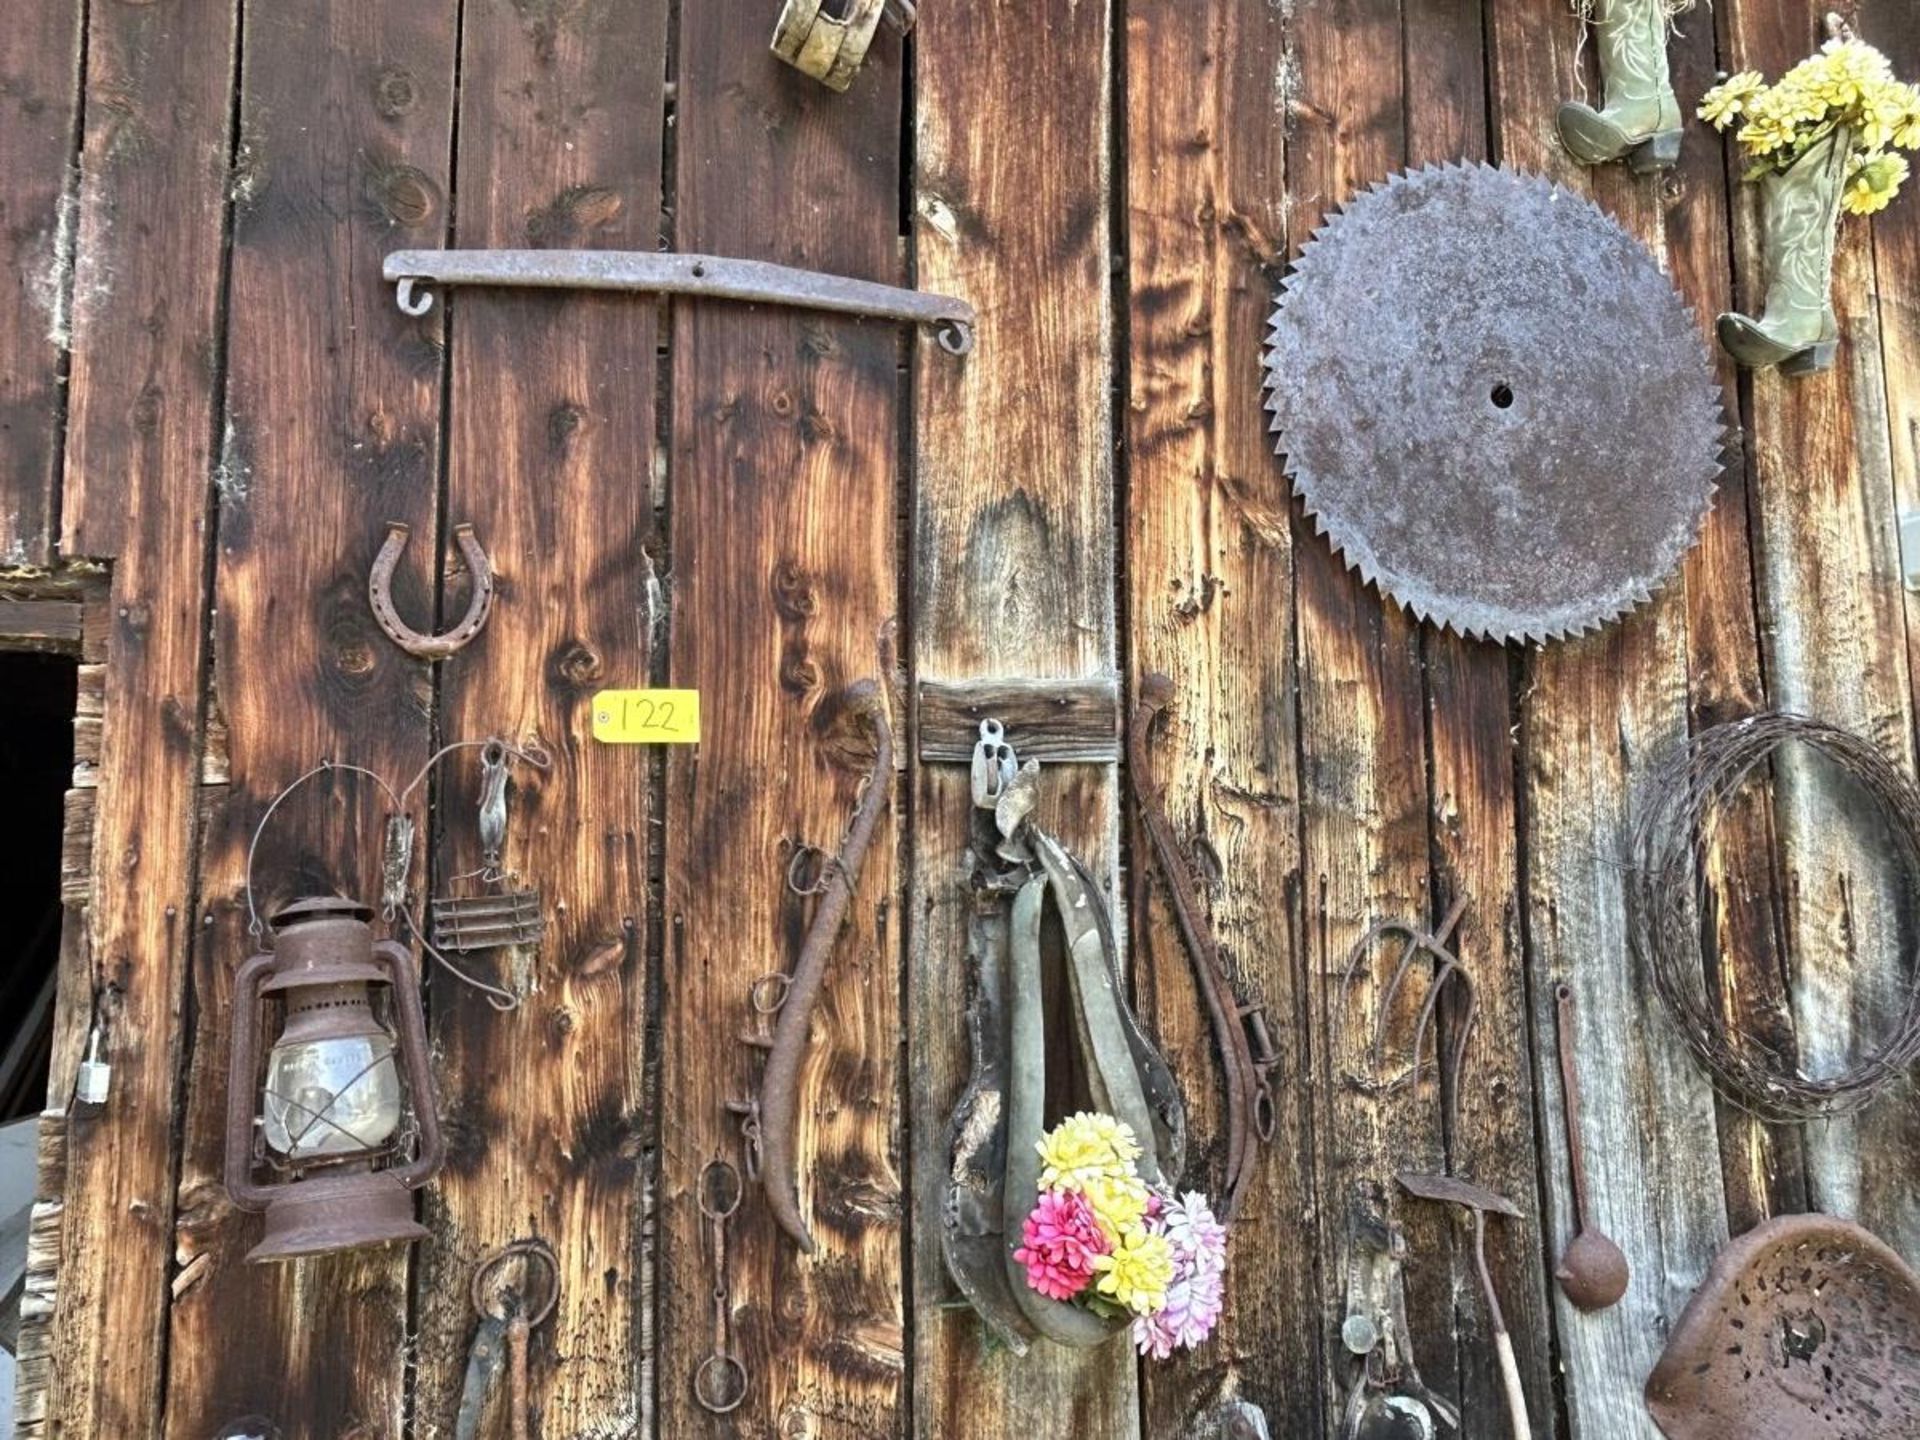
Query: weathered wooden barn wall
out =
(211, 409)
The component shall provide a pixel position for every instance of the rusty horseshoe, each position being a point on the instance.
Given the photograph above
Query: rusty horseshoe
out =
(380, 595)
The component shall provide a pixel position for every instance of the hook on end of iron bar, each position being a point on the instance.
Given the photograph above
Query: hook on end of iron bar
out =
(954, 336)
(409, 302)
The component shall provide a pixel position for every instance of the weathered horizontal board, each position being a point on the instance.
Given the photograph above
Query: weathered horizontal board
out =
(1053, 721)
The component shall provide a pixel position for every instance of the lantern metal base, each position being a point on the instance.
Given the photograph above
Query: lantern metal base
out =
(342, 1212)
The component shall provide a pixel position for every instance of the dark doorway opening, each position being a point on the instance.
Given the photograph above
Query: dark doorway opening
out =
(37, 695)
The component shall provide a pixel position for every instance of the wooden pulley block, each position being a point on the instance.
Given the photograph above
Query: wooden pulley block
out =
(829, 39)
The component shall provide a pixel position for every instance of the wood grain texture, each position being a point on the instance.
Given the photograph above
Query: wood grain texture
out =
(331, 429)
(783, 474)
(1762, 1166)
(1828, 577)
(1210, 594)
(40, 625)
(1363, 769)
(1059, 720)
(1598, 711)
(549, 454)
(1013, 544)
(1895, 28)
(39, 107)
(140, 426)
(1471, 730)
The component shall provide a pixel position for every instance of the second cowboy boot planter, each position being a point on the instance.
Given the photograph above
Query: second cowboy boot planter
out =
(1058, 1234)
(1641, 117)
(1824, 138)
(1800, 210)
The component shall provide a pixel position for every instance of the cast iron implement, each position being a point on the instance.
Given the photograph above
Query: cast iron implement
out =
(1240, 1032)
(1592, 1272)
(1493, 404)
(507, 1317)
(1478, 1200)
(756, 282)
(768, 1121)
(1416, 944)
(1806, 1328)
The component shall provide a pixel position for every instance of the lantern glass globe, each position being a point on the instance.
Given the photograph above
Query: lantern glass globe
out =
(332, 1094)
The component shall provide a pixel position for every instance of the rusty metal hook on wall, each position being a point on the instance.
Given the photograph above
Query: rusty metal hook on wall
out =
(380, 595)
(769, 1119)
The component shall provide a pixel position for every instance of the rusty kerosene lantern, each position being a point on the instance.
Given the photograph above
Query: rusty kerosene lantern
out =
(315, 1140)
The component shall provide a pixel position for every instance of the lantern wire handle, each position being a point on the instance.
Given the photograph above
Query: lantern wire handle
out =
(535, 755)
(325, 767)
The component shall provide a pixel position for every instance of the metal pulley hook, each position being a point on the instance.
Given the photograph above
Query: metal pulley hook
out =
(380, 595)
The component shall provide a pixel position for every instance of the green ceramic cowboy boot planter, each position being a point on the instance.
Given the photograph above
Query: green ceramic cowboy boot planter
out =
(1641, 117)
(1825, 137)
(1800, 210)
(1036, 909)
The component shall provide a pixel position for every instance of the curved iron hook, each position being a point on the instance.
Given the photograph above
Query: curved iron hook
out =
(380, 595)
(780, 1085)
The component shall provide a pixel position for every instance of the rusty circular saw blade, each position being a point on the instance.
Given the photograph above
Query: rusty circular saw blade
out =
(1493, 404)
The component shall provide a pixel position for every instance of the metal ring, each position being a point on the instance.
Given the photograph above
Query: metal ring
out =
(537, 1253)
(719, 1363)
(700, 1195)
(781, 981)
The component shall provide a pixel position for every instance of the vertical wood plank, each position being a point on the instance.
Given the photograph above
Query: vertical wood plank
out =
(39, 99)
(1895, 28)
(1363, 775)
(1829, 580)
(550, 456)
(141, 423)
(1013, 552)
(331, 430)
(1210, 593)
(1762, 1166)
(1474, 830)
(783, 474)
(1597, 711)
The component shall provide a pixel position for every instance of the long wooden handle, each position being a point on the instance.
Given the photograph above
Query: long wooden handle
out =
(1516, 1397)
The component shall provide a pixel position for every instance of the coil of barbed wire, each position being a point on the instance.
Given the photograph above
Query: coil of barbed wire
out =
(1673, 829)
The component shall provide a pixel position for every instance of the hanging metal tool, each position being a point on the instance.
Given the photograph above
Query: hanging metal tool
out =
(720, 1379)
(1416, 944)
(1386, 1398)
(1493, 404)
(479, 603)
(502, 916)
(993, 1173)
(768, 1121)
(1592, 1271)
(829, 41)
(507, 1313)
(1240, 1032)
(1479, 1201)
(755, 282)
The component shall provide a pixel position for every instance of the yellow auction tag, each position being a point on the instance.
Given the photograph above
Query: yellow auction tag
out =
(647, 717)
